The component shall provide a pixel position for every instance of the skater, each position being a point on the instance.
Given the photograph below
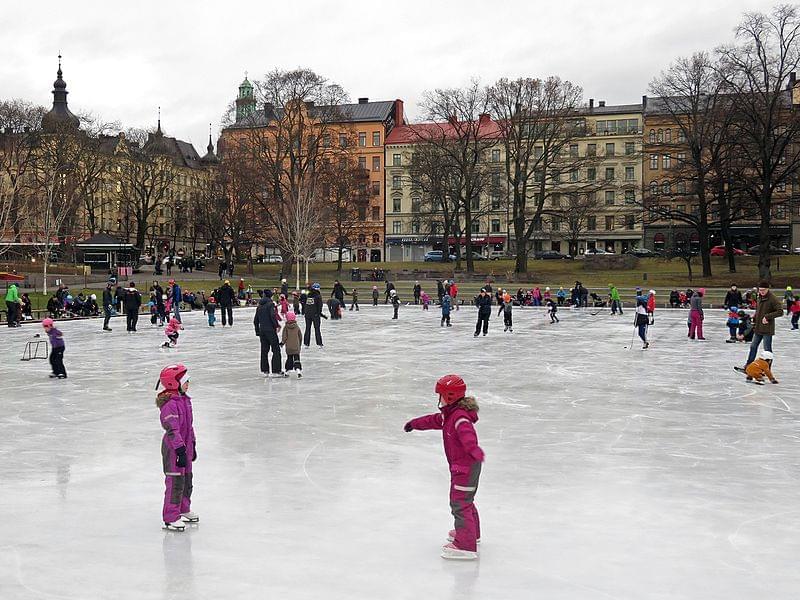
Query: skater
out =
(506, 307)
(338, 292)
(457, 416)
(445, 306)
(313, 313)
(335, 309)
(651, 306)
(266, 325)
(303, 298)
(292, 339)
(642, 320)
(395, 302)
(439, 289)
(484, 304)
(284, 287)
(426, 300)
(674, 299)
(733, 324)
(375, 295)
(561, 296)
(454, 293)
(552, 309)
(296, 302)
(794, 310)
(108, 303)
(388, 292)
(616, 303)
(133, 300)
(172, 332)
(733, 297)
(761, 367)
(745, 333)
(284, 305)
(768, 308)
(221, 269)
(178, 447)
(225, 299)
(354, 303)
(211, 309)
(696, 315)
(12, 305)
(160, 308)
(788, 297)
(417, 292)
(177, 296)
(56, 349)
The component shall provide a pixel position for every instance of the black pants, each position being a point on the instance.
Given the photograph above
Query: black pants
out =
(507, 319)
(132, 317)
(354, 305)
(226, 311)
(396, 306)
(293, 363)
(553, 317)
(107, 318)
(317, 333)
(482, 319)
(446, 319)
(416, 298)
(374, 301)
(12, 313)
(269, 341)
(57, 361)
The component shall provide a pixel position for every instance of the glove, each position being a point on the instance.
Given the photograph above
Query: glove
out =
(477, 454)
(194, 458)
(282, 344)
(408, 427)
(181, 453)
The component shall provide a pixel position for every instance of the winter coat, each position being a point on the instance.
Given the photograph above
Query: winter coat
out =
(733, 318)
(651, 303)
(696, 304)
(211, 307)
(12, 295)
(458, 434)
(417, 290)
(733, 298)
(426, 299)
(484, 304)
(176, 293)
(313, 307)
(226, 295)
(133, 300)
(375, 294)
(446, 305)
(177, 421)
(285, 289)
(338, 292)
(614, 293)
(56, 338)
(172, 327)
(108, 298)
(758, 369)
(453, 291)
(770, 307)
(292, 337)
(265, 319)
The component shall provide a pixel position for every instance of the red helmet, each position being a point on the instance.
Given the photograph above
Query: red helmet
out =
(172, 377)
(451, 388)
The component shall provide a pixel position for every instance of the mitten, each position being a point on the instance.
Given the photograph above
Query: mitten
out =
(408, 427)
(181, 453)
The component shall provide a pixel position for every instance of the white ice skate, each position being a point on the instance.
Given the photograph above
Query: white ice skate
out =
(190, 517)
(451, 536)
(450, 552)
(175, 525)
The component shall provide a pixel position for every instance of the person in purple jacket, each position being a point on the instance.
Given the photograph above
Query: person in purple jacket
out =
(457, 416)
(56, 349)
(178, 447)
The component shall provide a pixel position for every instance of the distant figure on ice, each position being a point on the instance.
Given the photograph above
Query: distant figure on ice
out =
(388, 292)
(696, 315)
(454, 293)
(457, 416)
(176, 296)
(768, 308)
(445, 306)
(651, 306)
(266, 325)
(733, 297)
(375, 295)
(56, 349)
(733, 324)
(417, 292)
(291, 340)
(211, 309)
(133, 300)
(552, 309)
(484, 304)
(506, 307)
(395, 302)
(172, 331)
(426, 300)
(178, 447)
(108, 306)
(225, 298)
(616, 302)
(642, 320)
(354, 303)
(313, 313)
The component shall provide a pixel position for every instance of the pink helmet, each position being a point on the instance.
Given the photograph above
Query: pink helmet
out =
(172, 377)
(47, 322)
(291, 317)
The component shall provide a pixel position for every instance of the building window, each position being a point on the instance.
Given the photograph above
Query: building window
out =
(362, 239)
(555, 200)
(376, 188)
(573, 175)
(362, 212)
(668, 136)
(667, 160)
(630, 173)
(475, 203)
(495, 156)
(591, 223)
(495, 226)
(681, 136)
(475, 226)
(573, 150)
(362, 139)
(537, 152)
(376, 163)
(630, 196)
(395, 160)
(396, 204)
(538, 176)
(629, 222)
(376, 138)
(591, 174)
(555, 223)
(610, 149)
(326, 140)
(397, 226)
(343, 140)
(610, 198)
(666, 188)
(415, 205)
(362, 162)
(681, 187)
(660, 136)
(376, 213)
(652, 137)
(376, 238)
(396, 182)
(609, 223)
(654, 188)
(780, 211)
(591, 149)
(630, 148)
(609, 173)
(653, 162)
(415, 226)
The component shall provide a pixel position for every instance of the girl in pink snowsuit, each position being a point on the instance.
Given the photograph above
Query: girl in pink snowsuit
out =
(284, 305)
(456, 420)
(426, 300)
(178, 447)
(172, 332)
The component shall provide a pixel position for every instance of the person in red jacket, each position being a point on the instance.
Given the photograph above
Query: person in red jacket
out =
(456, 419)
(651, 306)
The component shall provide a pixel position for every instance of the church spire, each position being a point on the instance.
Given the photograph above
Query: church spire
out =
(210, 146)
(158, 129)
(59, 116)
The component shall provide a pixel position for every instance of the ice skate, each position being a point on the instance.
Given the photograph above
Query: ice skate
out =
(175, 525)
(450, 552)
(646, 346)
(730, 341)
(190, 517)
(451, 536)
(106, 328)
(739, 369)
(165, 345)
(476, 334)
(299, 374)
(505, 328)
(61, 376)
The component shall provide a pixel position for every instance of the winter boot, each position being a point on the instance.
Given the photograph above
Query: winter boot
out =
(451, 552)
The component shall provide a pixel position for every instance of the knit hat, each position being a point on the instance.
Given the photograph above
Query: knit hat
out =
(291, 317)
(268, 293)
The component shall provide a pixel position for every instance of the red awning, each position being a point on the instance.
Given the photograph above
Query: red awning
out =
(11, 277)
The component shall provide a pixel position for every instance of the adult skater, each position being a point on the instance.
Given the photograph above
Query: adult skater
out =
(454, 293)
(338, 292)
(484, 304)
(177, 295)
(375, 295)
(388, 292)
(642, 320)
(12, 305)
(225, 299)
(439, 289)
(178, 446)
(768, 308)
(696, 315)
(221, 270)
(417, 292)
(395, 302)
(457, 417)
(161, 310)
(266, 325)
(284, 288)
(651, 306)
(133, 300)
(616, 302)
(732, 298)
(313, 313)
(445, 306)
(108, 302)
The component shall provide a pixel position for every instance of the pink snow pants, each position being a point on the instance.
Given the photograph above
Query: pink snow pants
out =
(695, 325)
(462, 496)
(178, 484)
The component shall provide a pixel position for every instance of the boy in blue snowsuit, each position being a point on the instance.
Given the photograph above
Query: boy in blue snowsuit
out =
(446, 306)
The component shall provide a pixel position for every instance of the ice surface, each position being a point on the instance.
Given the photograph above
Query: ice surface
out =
(610, 472)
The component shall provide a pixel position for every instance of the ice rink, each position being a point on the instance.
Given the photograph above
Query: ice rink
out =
(610, 473)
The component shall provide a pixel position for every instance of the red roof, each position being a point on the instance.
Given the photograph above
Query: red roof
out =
(422, 132)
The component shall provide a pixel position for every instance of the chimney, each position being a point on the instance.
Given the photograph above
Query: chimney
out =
(309, 104)
(269, 110)
(792, 80)
(398, 112)
(591, 104)
(483, 118)
(363, 100)
(644, 102)
(601, 103)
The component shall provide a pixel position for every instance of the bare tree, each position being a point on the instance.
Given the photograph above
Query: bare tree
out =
(539, 121)
(575, 216)
(345, 194)
(758, 71)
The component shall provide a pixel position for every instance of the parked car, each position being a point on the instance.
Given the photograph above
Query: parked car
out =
(436, 256)
(772, 250)
(499, 255)
(796, 251)
(643, 253)
(720, 251)
(597, 251)
(274, 258)
(477, 256)
(550, 255)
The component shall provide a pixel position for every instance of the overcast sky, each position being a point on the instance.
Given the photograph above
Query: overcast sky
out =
(124, 59)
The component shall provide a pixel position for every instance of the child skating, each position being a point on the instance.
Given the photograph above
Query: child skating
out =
(446, 306)
(178, 446)
(794, 310)
(456, 419)
(642, 320)
(552, 309)
(292, 339)
(354, 303)
(733, 324)
(425, 299)
(759, 368)
(56, 349)
(506, 308)
(395, 302)
(172, 332)
(211, 310)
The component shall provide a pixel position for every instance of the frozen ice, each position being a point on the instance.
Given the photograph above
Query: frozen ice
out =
(611, 473)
